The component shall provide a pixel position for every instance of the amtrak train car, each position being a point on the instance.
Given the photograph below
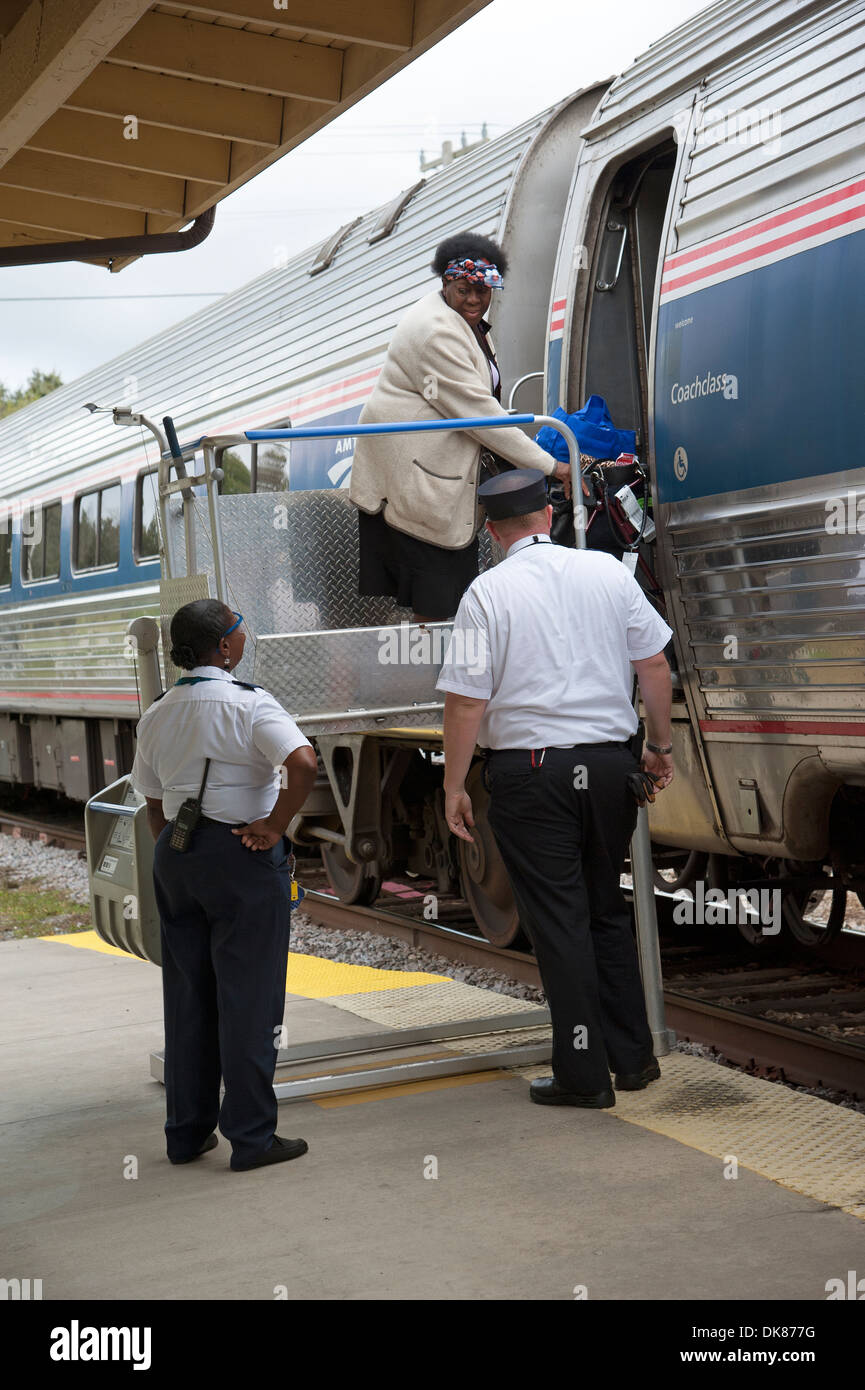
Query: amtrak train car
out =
(683, 241)
(720, 203)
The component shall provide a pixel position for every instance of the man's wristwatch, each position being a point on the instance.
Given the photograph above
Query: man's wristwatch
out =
(653, 748)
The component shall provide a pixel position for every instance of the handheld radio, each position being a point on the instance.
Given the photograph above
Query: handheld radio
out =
(187, 817)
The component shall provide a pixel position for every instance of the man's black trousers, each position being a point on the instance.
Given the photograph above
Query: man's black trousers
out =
(225, 912)
(563, 829)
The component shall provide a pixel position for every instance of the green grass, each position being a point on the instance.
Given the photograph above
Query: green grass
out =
(27, 910)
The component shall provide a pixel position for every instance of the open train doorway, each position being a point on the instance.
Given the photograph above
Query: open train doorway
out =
(618, 320)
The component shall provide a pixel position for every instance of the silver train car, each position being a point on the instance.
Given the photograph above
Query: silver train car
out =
(684, 242)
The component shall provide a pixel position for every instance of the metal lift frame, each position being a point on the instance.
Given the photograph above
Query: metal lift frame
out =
(175, 457)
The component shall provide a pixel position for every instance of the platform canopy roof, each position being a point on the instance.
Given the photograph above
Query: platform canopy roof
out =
(125, 118)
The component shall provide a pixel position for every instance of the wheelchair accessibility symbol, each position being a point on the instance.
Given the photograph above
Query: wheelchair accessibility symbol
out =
(680, 464)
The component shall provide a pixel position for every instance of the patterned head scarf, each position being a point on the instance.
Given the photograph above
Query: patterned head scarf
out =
(476, 272)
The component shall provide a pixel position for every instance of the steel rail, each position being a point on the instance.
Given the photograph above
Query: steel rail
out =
(46, 832)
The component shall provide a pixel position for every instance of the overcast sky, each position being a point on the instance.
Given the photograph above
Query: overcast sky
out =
(509, 62)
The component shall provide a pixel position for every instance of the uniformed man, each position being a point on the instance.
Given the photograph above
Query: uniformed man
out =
(538, 672)
(224, 903)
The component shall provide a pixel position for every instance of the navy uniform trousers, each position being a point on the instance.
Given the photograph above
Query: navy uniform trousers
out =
(225, 914)
(563, 829)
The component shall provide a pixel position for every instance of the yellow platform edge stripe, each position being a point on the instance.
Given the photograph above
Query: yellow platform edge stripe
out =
(312, 977)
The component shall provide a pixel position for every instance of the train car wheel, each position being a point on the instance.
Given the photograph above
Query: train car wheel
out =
(674, 871)
(483, 877)
(352, 883)
(800, 915)
(719, 877)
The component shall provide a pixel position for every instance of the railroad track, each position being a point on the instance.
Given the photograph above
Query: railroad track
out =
(791, 1018)
(64, 833)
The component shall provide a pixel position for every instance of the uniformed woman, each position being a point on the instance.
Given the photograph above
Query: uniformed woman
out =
(224, 903)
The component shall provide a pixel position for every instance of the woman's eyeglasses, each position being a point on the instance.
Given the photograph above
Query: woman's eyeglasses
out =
(239, 617)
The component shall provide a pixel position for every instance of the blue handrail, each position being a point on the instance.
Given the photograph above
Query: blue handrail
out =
(410, 427)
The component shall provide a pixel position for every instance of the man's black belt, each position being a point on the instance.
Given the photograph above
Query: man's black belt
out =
(625, 743)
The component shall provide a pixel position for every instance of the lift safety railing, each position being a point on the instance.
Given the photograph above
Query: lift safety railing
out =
(176, 457)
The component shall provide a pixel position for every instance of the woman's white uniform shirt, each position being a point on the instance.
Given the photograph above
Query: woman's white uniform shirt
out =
(246, 734)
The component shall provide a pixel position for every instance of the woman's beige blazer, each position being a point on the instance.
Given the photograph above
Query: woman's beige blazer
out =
(428, 482)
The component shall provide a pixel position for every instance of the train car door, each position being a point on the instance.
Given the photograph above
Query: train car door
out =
(604, 317)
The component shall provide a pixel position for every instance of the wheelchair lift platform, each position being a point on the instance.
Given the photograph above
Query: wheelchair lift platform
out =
(430, 1033)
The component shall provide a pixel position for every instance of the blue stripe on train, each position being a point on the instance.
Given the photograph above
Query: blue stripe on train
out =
(324, 463)
(772, 362)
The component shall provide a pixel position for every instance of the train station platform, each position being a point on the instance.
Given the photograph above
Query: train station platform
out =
(708, 1185)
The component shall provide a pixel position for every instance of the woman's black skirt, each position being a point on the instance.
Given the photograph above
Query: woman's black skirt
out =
(425, 578)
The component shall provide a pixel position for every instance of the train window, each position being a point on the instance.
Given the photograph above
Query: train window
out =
(271, 471)
(5, 552)
(86, 548)
(146, 529)
(40, 543)
(237, 464)
(261, 467)
(623, 283)
(96, 542)
(109, 526)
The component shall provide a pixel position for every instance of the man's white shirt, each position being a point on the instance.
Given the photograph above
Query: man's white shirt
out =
(547, 637)
(246, 734)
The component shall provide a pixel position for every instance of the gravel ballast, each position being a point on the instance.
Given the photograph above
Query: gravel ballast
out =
(64, 871)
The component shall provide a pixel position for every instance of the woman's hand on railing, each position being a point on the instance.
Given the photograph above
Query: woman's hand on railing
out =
(562, 474)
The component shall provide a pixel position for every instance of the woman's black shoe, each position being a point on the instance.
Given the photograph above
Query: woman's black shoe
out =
(636, 1081)
(279, 1151)
(547, 1091)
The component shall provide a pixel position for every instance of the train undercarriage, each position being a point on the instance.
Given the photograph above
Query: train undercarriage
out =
(377, 811)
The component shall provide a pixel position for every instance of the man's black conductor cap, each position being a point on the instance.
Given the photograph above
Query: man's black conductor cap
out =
(514, 493)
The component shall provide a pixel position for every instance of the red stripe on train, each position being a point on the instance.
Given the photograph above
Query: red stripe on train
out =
(65, 695)
(782, 726)
(779, 219)
(766, 248)
(293, 407)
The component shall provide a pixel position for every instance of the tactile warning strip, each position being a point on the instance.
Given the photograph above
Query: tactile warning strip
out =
(799, 1141)
(497, 1042)
(449, 1001)
(314, 977)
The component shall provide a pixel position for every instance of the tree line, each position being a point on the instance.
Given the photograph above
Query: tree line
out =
(38, 384)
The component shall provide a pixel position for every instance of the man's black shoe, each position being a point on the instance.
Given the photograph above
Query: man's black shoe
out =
(638, 1080)
(547, 1091)
(210, 1143)
(279, 1151)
